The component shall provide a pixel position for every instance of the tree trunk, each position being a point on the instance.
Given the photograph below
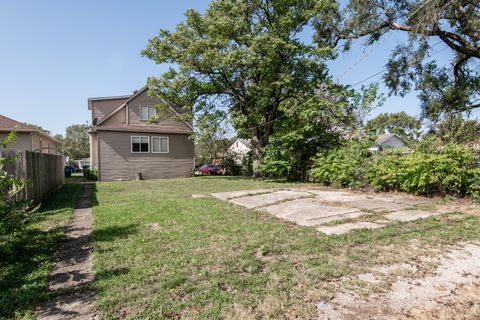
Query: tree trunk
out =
(257, 152)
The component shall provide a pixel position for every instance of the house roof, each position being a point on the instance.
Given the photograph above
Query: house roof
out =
(381, 138)
(9, 124)
(246, 142)
(136, 128)
(133, 96)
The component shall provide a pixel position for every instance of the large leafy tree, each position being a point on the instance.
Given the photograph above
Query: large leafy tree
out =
(443, 89)
(244, 57)
(76, 143)
(457, 129)
(406, 126)
(211, 129)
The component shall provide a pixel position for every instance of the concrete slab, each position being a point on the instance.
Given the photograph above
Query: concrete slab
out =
(241, 193)
(411, 215)
(266, 199)
(311, 212)
(346, 227)
(337, 196)
(376, 205)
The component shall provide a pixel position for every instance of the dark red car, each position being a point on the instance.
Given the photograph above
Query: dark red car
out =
(210, 169)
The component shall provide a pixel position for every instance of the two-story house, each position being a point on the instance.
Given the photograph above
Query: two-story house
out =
(27, 137)
(125, 144)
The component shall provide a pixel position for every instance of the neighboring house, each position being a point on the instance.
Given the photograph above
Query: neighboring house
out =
(28, 137)
(240, 149)
(386, 141)
(123, 144)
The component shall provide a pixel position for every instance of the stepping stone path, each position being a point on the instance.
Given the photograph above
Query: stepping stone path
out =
(72, 269)
(313, 207)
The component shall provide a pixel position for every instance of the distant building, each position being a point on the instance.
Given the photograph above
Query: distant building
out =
(28, 138)
(240, 149)
(387, 141)
(474, 145)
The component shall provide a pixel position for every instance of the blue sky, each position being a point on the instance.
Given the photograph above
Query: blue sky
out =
(56, 54)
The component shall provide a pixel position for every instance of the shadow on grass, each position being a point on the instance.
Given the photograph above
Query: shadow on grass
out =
(241, 178)
(26, 255)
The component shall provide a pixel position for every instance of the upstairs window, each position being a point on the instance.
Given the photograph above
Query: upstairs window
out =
(147, 112)
(140, 144)
(160, 145)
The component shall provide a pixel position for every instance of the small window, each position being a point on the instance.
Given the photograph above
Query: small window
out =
(160, 145)
(140, 144)
(147, 113)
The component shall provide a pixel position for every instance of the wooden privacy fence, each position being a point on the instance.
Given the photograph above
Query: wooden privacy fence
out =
(44, 174)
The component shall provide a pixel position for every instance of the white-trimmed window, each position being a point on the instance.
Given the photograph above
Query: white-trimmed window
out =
(147, 112)
(160, 145)
(140, 144)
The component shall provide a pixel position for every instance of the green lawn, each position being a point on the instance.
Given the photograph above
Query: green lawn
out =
(159, 253)
(26, 255)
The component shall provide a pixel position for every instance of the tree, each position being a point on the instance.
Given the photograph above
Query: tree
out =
(406, 126)
(323, 123)
(40, 128)
(76, 143)
(210, 135)
(457, 129)
(243, 57)
(444, 90)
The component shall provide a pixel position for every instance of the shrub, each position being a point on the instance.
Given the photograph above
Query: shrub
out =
(344, 167)
(425, 171)
(91, 174)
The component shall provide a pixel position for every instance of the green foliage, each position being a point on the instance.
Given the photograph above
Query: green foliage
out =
(444, 171)
(406, 126)
(321, 123)
(342, 167)
(443, 88)
(237, 165)
(457, 129)
(27, 254)
(76, 142)
(12, 215)
(91, 174)
(210, 136)
(243, 57)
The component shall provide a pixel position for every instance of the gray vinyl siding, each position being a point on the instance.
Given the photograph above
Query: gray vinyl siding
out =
(393, 142)
(101, 108)
(144, 100)
(116, 162)
(22, 142)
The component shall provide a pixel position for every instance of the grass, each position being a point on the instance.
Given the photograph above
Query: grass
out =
(161, 254)
(26, 255)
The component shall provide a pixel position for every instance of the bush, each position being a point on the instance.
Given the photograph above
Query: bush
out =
(91, 174)
(342, 167)
(445, 171)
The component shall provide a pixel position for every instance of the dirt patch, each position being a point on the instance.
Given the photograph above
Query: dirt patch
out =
(72, 268)
(455, 280)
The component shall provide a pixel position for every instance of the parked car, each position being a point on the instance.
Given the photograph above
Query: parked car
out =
(210, 169)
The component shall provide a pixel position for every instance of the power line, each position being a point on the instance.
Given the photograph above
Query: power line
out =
(347, 71)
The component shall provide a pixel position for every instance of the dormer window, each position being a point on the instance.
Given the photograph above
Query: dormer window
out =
(147, 113)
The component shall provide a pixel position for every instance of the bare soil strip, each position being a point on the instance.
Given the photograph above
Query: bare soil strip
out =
(72, 272)
(453, 282)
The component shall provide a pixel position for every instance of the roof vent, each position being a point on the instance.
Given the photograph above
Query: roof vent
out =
(135, 91)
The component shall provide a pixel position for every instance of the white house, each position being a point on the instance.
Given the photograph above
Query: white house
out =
(386, 141)
(240, 149)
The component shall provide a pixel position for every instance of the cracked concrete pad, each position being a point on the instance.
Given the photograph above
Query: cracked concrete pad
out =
(336, 196)
(310, 212)
(376, 205)
(346, 227)
(241, 193)
(411, 215)
(266, 199)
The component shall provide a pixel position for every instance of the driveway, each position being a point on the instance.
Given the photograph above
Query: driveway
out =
(333, 211)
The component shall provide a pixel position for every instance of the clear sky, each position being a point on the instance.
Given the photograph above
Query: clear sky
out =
(55, 54)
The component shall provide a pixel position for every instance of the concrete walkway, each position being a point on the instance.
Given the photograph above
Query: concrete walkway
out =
(347, 210)
(72, 271)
